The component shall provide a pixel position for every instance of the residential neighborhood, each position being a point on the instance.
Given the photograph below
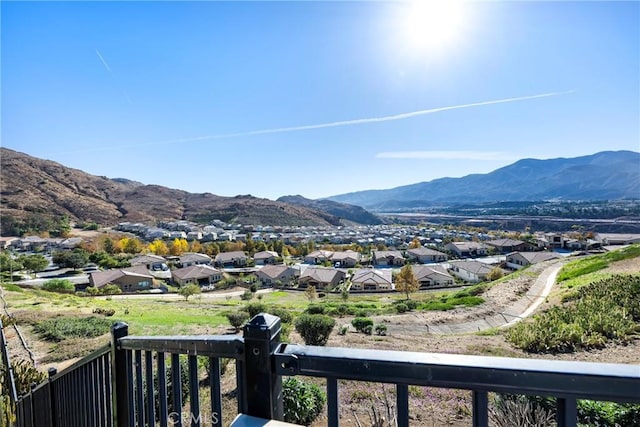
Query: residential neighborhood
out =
(352, 259)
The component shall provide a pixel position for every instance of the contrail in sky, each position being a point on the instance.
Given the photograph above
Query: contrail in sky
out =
(400, 116)
(103, 61)
(380, 119)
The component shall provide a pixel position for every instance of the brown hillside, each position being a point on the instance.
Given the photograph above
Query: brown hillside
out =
(29, 184)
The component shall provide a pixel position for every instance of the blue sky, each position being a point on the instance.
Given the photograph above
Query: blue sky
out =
(275, 98)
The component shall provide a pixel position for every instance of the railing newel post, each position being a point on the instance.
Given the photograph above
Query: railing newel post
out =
(119, 378)
(263, 387)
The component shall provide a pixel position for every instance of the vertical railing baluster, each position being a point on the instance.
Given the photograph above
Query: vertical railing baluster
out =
(402, 404)
(83, 388)
(106, 364)
(216, 391)
(194, 395)
(151, 403)
(139, 388)
(94, 409)
(77, 397)
(99, 392)
(332, 402)
(176, 391)
(566, 412)
(52, 397)
(480, 408)
(65, 400)
(163, 413)
(241, 380)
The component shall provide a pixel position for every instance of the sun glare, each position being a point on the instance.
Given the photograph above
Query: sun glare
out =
(431, 25)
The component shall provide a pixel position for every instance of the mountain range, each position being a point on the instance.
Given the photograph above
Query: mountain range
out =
(608, 175)
(35, 186)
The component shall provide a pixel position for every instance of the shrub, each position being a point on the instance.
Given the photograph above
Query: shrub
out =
(605, 310)
(110, 289)
(381, 329)
(25, 375)
(363, 312)
(302, 401)
(343, 330)
(361, 323)
(608, 413)
(284, 314)
(247, 295)
(516, 410)
(411, 304)
(92, 291)
(237, 319)
(255, 308)
(315, 309)
(315, 328)
(402, 308)
(107, 312)
(59, 285)
(368, 330)
(342, 310)
(495, 274)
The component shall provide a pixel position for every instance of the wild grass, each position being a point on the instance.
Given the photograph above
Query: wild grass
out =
(62, 328)
(595, 263)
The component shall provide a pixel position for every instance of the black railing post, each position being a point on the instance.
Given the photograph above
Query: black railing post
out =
(53, 409)
(119, 377)
(263, 387)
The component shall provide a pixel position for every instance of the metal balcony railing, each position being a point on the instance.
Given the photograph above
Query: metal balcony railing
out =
(127, 382)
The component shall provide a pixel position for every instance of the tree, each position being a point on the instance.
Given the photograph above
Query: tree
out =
(406, 281)
(7, 263)
(188, 290)
(132, 246)
(74, 259)
(195, 246)
(178, 247)
(315, 328)
(415, 243)
(33, 263)
(158, 247)
(310, 293)
(108, 246)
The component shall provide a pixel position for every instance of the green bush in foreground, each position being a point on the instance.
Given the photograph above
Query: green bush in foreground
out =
(302, 401)
(607, 414)
(602, 311)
